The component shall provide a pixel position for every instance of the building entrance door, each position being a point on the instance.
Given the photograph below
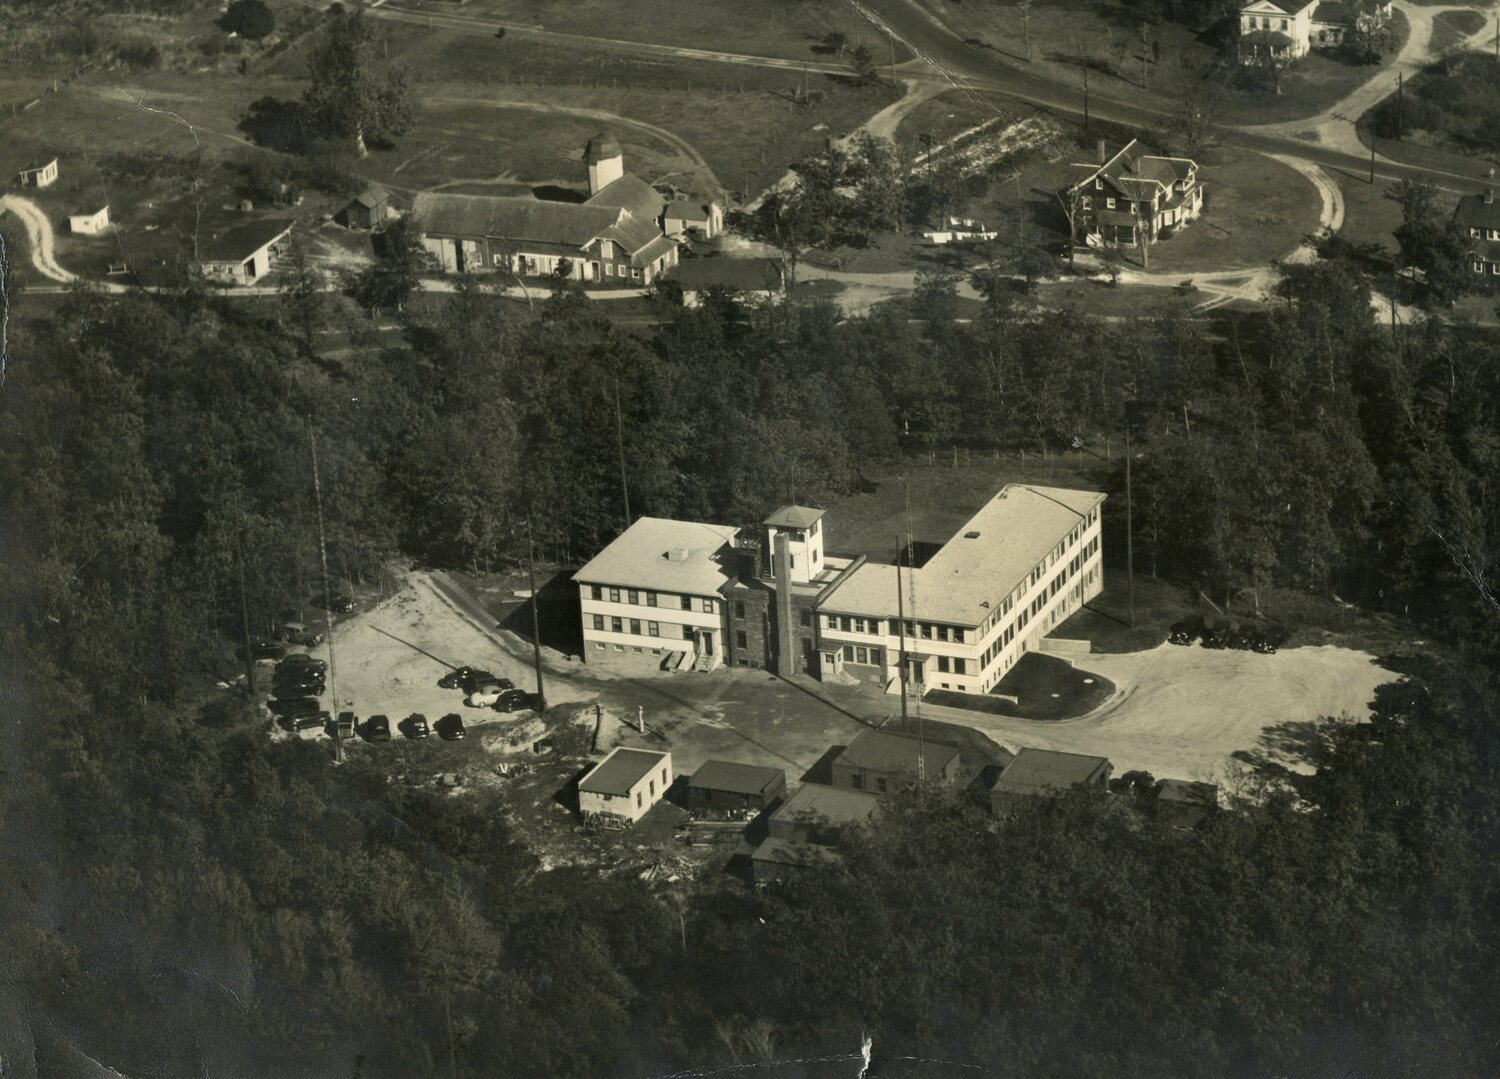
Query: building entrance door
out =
(706, 643)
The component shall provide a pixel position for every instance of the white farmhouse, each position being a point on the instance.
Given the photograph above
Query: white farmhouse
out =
(89, 224)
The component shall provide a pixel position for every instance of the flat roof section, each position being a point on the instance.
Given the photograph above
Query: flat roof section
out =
(814, 803)
(735, 778)
(795, 517)
(1047, 771)
(620, 771)
(881, 752)
(668, 556)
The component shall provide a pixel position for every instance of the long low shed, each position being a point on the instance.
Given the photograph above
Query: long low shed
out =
(725, 786)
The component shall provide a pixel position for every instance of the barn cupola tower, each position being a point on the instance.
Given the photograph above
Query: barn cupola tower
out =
(606, 162)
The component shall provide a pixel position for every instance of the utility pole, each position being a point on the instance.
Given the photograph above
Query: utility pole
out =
(927, 142)
(333, 682)
(1129, 531)
(1085, 98)
(1372, 156)
(1400, 103)
(901, 630)
(239, 542)
(1145, 56)
(536, 622)
(620, 442)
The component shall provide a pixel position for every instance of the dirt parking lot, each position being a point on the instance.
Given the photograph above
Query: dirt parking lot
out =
(1185, 712)
(1188, 713)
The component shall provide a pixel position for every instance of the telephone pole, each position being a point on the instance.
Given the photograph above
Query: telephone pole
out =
(1129, 532)
(901, 630)
(620, 443)
(239, 543)
(333, 682)
(536, 622)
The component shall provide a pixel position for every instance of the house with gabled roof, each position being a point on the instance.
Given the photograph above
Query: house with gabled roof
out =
(1479, 218)
(1123, 196)
(242, 254)
(1288, 29)
(613, 238)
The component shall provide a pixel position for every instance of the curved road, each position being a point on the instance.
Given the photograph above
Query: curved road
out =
(38, 236)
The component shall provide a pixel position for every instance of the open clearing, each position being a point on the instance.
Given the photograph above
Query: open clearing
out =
(1188, 713)
(1195, 713)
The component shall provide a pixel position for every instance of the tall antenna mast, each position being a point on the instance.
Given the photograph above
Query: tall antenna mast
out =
(333, 681)
(911, 582)
(901, 630)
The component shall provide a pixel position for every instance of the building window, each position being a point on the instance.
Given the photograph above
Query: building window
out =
(635, 626)
(959, 667)
(844, 623)
(708, 606)
(861, 655)
(598, 621)
(739, 609)
(638, 799)
(635, 597)
(687, 603)
(942, 664)
(833, 621)
(880, 784)
(617, 625)
(958, 635)
(848, 653)
(635, 271)
(1109, 203)
(687, 633)
(614, 595)
(857, 781)
(942, 633)
(807, 619)
(875, 656)
(650, 599)
(653, 629)
(741, 639)
(599, 645)
(651, 783)
(926, 631)
(595, 592)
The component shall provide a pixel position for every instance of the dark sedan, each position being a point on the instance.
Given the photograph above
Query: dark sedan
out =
(451, 727)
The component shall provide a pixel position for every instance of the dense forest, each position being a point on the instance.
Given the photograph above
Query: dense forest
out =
(187, 898)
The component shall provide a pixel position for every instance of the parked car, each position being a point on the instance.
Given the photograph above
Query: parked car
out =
(450, 727)
(310, 721)
(511, 700)
(1244, 636)
(378, 729)
(485, 694)
(338, 602)
(297, 633)
(299, 661)
(266, 649)
(293, 678)
(1186, 632)
(415, 726)
(296, 707)
(346, 724)
(457, 677)
(1218, 637)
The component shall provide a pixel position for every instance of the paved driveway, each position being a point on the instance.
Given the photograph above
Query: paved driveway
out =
(1185, 712)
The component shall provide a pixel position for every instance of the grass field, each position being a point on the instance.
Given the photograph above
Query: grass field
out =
(1068, 36)
(790, 29)
(944, 491)
(1370, 216)
(1449, 28)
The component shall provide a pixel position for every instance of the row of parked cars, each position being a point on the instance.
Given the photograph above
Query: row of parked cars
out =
(1227, 633)
(485, 690)
(295, 689)
(297, 634)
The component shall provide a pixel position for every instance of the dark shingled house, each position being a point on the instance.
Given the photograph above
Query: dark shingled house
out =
(1046, 773)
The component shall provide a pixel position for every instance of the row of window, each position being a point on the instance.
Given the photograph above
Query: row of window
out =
(1254, 23)
(927, 631)
(653, 629)
(1476, 233)
(1479, 266)
(634, 596)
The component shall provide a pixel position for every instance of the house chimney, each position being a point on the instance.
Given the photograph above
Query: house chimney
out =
(1103, 157)
(1489, 196)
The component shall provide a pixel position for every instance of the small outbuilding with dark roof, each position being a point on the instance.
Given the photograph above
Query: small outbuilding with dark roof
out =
(367, 209)
(626, 783)
(879, 763)
(726, 787)
(1183, 803)
(1046, 773)
(819, 814)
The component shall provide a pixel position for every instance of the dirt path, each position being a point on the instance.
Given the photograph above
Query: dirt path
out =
(38, 236)
(1334, 126)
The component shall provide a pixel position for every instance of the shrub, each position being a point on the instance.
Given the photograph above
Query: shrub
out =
(250, 19)
(139, 54)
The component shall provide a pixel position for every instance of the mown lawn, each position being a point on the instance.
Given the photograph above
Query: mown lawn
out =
(782, 28)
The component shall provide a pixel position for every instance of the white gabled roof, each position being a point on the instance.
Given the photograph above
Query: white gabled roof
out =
(687, 557)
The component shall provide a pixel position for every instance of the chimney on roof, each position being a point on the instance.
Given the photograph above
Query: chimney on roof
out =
(1103, 156)
(1489, 196)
